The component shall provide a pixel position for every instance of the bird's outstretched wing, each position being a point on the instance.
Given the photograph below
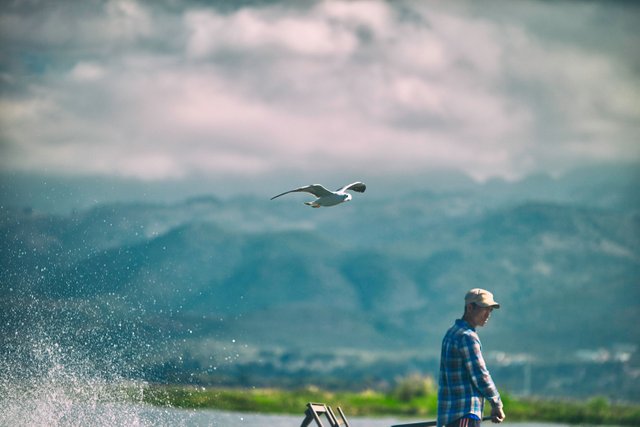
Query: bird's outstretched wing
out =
(355, 186)
(315, 189)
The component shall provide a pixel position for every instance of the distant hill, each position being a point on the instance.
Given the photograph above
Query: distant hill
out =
(211, 282)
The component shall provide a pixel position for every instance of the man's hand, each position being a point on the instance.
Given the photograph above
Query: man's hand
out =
(497, 414)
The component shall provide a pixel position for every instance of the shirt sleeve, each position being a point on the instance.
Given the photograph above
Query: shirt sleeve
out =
(478, 372)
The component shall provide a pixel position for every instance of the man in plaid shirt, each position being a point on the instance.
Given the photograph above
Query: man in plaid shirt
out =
(464, 380)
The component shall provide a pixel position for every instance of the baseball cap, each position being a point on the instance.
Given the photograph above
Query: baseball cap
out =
(481, 297)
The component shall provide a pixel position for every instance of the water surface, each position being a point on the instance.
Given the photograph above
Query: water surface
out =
(46, 413)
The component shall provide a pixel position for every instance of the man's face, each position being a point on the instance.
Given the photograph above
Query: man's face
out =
(478, 316)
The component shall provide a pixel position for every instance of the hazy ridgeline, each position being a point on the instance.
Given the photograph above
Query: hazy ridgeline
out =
(247, 291)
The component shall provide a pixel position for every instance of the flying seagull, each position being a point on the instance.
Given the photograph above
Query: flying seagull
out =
(326, 197)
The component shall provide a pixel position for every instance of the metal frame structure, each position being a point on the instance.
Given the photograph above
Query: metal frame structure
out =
(316, 410)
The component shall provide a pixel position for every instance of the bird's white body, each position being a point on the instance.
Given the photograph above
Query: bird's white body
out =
(329, 200)
(325, 197)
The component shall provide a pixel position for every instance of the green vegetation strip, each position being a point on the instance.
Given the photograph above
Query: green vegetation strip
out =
(596, 411)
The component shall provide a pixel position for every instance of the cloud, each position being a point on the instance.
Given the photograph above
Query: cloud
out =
(153, 90)
(251, 31)
(87, 72)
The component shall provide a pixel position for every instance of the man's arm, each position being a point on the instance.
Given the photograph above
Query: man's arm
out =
(479, 374)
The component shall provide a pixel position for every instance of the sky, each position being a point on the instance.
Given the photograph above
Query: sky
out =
(242, 92)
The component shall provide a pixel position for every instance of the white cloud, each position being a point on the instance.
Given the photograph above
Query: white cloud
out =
(87, 72)
(127, 18)
(249, 30)
(153, 91)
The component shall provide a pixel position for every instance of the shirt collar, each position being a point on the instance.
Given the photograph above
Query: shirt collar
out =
(463, 324)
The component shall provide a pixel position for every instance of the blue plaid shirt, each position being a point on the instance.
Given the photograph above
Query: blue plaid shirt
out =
(464, 380)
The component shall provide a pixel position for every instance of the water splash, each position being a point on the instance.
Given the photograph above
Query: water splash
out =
(48, 379)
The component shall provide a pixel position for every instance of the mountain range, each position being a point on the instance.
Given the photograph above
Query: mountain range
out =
(244, 282)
